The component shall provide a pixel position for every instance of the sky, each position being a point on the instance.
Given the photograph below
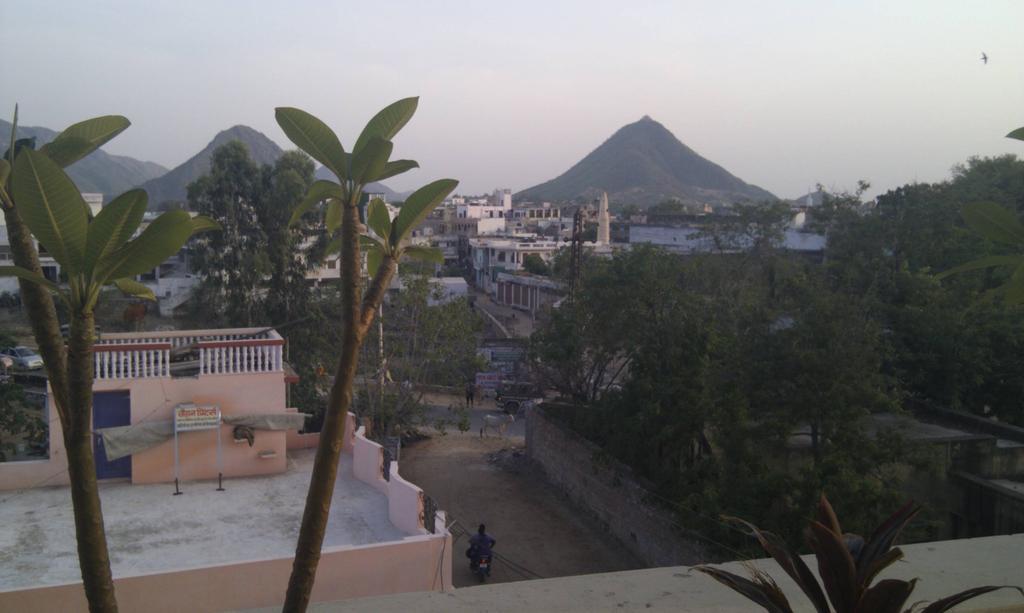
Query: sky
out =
(783, 94)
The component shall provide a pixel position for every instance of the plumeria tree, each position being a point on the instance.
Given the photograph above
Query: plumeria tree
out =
(39, 200)
(353, 234)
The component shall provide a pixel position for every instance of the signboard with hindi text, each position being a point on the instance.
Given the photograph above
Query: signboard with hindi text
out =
(488, 380)
(191, 417)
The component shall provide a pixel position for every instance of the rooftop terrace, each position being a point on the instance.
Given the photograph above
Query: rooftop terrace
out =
(150, 530)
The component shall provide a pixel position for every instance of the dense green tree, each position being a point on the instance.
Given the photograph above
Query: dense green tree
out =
(233, 263)
(535, 264)
(429, 339)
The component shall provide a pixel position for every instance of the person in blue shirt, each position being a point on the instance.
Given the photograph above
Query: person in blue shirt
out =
(480, 544)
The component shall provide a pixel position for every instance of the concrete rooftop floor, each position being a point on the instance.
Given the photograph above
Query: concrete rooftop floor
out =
(150, 530)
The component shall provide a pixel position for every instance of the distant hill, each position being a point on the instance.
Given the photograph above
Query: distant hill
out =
(99, 172)
(643, 163)
(173, 186)
(372, 188)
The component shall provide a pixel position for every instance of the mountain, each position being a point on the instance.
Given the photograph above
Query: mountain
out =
(173, 186)
(643, 163)
(371, 188)
(99, 171)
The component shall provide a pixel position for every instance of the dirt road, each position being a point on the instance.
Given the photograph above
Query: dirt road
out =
(533, 523)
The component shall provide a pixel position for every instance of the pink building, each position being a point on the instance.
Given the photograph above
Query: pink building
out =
(384, 535)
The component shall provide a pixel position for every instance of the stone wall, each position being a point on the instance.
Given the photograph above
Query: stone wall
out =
(607, 490)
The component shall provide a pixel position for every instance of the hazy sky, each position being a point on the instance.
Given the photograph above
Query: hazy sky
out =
(782, 94)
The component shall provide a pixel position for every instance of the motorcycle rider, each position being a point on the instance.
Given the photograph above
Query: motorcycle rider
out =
(480, 546)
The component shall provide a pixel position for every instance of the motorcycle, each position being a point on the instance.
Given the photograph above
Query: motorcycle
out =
(481, 567)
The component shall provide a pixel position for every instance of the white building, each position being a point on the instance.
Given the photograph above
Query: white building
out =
(51, 269)
(95, 202)
(497, 206)
(490, 256)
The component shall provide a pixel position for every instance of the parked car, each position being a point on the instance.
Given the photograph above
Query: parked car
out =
(23, 357)
(513, 396)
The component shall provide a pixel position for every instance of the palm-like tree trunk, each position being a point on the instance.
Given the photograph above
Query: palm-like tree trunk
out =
(357, 315)
(70, 377)
(85, 496)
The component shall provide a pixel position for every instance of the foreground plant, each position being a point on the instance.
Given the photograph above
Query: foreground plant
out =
(847, 564)
(40, 200)
(368, 161)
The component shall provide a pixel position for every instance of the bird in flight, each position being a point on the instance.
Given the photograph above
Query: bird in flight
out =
(984, 58)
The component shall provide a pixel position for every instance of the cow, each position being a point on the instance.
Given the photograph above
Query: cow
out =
(498, 423)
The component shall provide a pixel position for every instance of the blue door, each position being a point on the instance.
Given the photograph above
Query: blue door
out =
(110, 409)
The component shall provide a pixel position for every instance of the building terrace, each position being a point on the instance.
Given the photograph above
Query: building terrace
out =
(210, 550)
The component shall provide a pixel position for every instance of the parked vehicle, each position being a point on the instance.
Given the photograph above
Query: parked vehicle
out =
(23, 357)
(513, 396)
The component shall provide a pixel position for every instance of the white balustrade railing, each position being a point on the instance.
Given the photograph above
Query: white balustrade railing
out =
(234, 351)
(237, 357)
(127, 362)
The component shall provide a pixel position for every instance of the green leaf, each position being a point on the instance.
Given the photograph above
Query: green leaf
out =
(993, 222)
(134, 288)
(378, 219)
(51, 206)
(991, 261)
(202, 223)
(5, 172)
(1018, 134)
(319, 191)
(84, 137)
(369, 162)
(395, 167)
(366, 244)
(374, 257)
(418, 205)
(334, 246)
(159, 241)
(369, 242)
(425, 254)
(387, 122)
(314, 137)
(114, 226)
(333, 217)
(1015, 287)
(28, 275)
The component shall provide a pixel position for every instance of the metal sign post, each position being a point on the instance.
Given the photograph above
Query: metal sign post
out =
(190, 417)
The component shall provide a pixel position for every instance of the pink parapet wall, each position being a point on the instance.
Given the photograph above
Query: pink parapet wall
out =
(415, 564)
